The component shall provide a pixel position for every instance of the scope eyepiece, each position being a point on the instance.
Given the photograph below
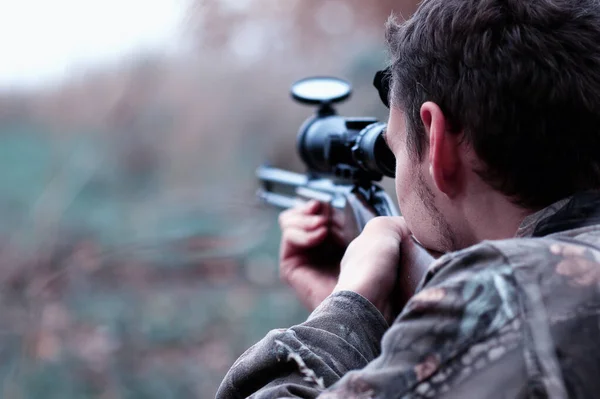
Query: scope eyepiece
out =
(347, 148)
(371, 151)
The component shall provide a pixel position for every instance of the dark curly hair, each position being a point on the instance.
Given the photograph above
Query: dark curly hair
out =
(519, 78)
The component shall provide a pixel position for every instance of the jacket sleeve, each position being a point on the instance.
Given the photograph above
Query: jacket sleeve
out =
(461, 328)
(463, 313)
(342, 334)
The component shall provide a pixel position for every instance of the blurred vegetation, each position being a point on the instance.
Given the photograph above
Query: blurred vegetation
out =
(135, 261)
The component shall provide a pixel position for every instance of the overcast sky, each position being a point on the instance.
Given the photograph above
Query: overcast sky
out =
(41, 41)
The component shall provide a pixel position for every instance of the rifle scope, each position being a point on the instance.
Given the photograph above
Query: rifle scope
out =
(329, 144)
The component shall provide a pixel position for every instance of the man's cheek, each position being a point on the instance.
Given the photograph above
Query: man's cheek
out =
(402, 182)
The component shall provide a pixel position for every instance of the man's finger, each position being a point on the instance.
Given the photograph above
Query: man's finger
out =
(303, 222)
(311, 207)
(304, 239)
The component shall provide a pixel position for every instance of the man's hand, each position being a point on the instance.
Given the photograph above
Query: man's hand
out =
(370, 265)
(311, 251)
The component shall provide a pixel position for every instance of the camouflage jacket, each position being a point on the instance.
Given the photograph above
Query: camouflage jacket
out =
(516, 318)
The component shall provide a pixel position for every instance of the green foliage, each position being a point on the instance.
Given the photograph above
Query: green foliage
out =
(112, 286)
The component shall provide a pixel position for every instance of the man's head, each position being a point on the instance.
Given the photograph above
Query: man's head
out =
(492, 97)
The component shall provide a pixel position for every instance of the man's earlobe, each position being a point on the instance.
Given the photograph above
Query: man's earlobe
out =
(444, 157)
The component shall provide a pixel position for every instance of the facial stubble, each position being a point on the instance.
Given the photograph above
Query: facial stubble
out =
(447, 239)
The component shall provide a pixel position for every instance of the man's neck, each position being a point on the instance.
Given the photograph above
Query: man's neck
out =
(492, 216)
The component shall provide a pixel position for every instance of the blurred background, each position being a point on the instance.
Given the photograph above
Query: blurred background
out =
(135, 261)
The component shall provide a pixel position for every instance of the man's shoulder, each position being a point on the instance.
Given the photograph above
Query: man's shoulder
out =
(533, 296)
(557, 276)
(503, 276)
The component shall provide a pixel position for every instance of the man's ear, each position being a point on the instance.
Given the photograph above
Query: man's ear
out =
(444, 150)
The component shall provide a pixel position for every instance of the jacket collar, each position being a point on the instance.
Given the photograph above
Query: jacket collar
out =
(579, 210)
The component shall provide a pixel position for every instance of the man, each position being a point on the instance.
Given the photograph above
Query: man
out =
(495, 126)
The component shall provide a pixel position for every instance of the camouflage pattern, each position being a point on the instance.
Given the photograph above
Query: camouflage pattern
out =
(516, 318)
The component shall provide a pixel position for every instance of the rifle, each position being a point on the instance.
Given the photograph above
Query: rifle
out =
(345, 157)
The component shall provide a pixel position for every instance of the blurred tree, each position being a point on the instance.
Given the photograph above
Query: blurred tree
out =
(295, 27)
(160, 265)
